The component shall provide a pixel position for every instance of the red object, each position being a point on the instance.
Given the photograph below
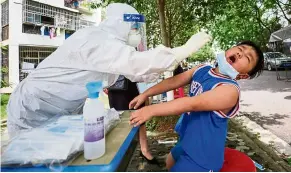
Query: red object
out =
(236, 161)
(178, 93)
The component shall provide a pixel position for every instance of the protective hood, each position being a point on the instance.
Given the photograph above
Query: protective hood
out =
(113, 22)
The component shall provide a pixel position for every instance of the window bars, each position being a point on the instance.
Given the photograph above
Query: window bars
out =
(30, 57)
(34, 11)
(85, 24)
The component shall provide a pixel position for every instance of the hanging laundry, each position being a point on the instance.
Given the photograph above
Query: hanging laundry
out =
(46, 31)
(42, 28)
(58, 31)
(52, 33)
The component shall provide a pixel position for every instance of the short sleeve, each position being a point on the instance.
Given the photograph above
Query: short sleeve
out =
(233, 112)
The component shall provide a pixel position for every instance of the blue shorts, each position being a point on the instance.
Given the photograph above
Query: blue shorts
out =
(183, 163)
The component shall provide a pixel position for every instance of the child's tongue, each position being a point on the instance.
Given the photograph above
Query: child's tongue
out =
(230, 59)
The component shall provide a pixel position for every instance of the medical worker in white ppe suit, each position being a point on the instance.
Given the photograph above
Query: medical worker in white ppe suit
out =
(57, 85)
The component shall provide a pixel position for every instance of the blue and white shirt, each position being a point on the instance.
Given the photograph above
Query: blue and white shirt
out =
(203, 134)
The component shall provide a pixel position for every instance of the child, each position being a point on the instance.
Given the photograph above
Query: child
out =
(214, 97)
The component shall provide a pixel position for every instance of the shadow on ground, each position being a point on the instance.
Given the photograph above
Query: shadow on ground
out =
(273, 119)
(160, 151)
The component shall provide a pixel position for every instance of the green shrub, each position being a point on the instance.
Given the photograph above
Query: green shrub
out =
(162, 123)
(4, 102)
(4, 70)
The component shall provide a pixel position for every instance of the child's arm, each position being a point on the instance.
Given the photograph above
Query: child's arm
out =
(171, 83)
(164, 86)
(222, 98)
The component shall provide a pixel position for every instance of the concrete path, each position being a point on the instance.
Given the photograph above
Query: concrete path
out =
(266, 102)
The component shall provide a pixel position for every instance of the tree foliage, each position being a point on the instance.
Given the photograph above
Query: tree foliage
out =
(172, 22)
(205, 53)
(243, 21)
(4, 69)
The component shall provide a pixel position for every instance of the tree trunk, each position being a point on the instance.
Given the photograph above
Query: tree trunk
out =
(258, 17)
(169, 22)
(161, 8)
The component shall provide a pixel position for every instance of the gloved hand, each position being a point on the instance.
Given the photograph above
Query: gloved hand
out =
(192, 45)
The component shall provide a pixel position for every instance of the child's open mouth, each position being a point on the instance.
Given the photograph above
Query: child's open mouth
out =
(231, 59)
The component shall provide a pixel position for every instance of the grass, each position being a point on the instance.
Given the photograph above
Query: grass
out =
(162, 124)
(4, 101)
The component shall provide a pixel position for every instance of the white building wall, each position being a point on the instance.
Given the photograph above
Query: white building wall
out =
(39, 40)
(17, 38)
(15, 31)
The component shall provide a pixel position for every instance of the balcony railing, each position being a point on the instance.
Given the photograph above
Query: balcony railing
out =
(30, 57)
(42, 14)
(38, 14)
(85, 24)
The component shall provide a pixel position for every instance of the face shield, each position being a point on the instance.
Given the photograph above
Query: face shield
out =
(137, 34)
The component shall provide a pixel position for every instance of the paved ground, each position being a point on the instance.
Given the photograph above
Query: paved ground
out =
(268, 82)
(160, 151)
(267, 101)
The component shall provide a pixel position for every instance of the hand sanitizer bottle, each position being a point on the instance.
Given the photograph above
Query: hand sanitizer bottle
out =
(94, 130)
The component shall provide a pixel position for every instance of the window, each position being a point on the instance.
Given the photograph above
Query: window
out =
(38, 14)
(277, 55)
(68, 33)
(5, 32)
(5, 20)
(47, 20)
(5, 13)
(30, 57)
(31, 29)
(85, 24)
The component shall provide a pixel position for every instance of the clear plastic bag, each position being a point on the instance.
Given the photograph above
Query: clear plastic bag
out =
(53, 144)
(62, 136)
(111, 120)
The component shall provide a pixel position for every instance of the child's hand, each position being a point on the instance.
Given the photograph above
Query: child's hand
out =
(140, 116)
(137, 101)
(105, 91)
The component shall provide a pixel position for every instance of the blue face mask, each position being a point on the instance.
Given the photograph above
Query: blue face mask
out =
(224, 67)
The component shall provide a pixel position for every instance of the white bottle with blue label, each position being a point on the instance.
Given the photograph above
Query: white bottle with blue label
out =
(94, 130)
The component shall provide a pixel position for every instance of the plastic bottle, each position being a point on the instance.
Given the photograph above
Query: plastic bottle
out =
(94, 130)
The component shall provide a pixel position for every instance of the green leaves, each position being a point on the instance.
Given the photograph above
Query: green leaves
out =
(229, 21)
(4, 70)
(245, 20)
(204, 54)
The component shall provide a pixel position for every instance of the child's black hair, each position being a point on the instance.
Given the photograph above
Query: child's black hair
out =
(258, 69)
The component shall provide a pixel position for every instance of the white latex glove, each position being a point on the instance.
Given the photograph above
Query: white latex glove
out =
(193, 45)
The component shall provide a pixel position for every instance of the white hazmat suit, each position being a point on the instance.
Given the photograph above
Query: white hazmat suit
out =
(57, 85)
